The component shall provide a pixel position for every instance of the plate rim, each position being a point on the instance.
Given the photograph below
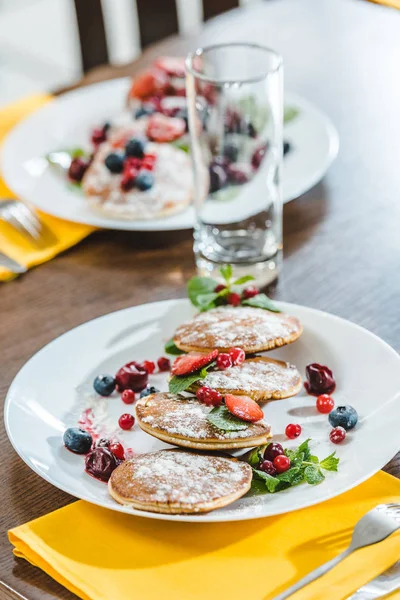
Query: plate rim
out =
(207, 517)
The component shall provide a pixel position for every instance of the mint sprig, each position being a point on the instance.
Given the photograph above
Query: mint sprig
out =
(181, 383)
(221, 418)
(171, 348)
(261, 301)
(304, 467)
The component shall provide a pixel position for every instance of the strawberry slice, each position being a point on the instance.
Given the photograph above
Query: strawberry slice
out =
(165, 129)
(173, 66)
(149, 83)
(244, 408)
(189, 363)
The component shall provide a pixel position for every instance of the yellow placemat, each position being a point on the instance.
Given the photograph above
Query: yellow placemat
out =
(102, 555)
(11, 243)
(391, 3)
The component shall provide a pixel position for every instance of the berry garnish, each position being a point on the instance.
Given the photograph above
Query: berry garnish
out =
(77, 440)
(128, 396)
(165, 129)
(114, 162)
(99, 135)
(209, 396)
(118, 450)
(337, 435)
(268, 467)
(286, 147)
(233, 299)
(144, 111)
(149, 365)
(147, 83)
(144, 181)
(148, 162)
(194, 361)
(218, 288)
(104, 385)
(237, 355)
(244, 408)
(173, 66)
(126, 421)
(344, 416)
(218, 177)
(293, 430)
(258, 156)
(224, 361)
(135, 147)
(164, 364)
(325, 404)
(128, 181)
(132, 376)
(320, 380)
(100, 463)
(148, 391)
(103, 443)
(281, 463)
(239, 173)
(231, 152)
(250, 292)
(272, 450)
(77, 169)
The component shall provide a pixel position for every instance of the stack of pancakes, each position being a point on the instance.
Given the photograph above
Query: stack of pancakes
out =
(178, 481)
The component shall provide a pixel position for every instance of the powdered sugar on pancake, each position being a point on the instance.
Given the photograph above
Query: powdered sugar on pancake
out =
(244, 326)
(187, 418)
(178, 477)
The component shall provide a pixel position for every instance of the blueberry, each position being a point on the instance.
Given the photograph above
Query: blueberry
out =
(231, 152)
(144, 110)
(104, 385)
(114, 162)
(135, 147)
(149, 390)
(106, 126)
(343, 416)
(218, 177)
(286, 147)
(77, 440)
(251, 130)
(144, 181)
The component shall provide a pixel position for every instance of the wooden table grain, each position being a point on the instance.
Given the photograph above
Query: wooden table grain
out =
(341, 240)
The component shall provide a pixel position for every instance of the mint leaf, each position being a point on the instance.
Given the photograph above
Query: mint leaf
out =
(170, 348)
(198, 286)
(330, 463)
(272, 484)
(261, 301)
(304, 448)
(243, 279)
(313, 459)
(255, 456)
(221, 418)
(292, 476)
(226, 272)
(289, 113)
(206, 301)
(257, 487)
(176, 384)
(313, 475)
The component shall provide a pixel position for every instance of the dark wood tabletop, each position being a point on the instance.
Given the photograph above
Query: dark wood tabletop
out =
(341, 240)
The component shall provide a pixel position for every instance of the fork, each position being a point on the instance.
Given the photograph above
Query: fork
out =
(25, 221)
(375, 526)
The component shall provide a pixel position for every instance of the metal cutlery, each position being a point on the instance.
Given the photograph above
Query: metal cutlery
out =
(11, 264)
(384, 584)
(26, 222)
(375, 526)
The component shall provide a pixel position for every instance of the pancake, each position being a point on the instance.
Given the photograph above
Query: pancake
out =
(175, 482)
(182, 421)
(252, 329)
(260, 377)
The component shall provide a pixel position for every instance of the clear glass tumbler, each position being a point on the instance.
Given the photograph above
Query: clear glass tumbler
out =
(235, 106)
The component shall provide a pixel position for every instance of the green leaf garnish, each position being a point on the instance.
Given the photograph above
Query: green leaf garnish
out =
(304, 448)
(181, 383)
(289, 113)
(226, 272)
(243, 280)
(206, 301)
(330, 463)
(313, 475)
(271, 483)
(171, 348)
(254, 456)
(198, 286)
(261, 301)
(221, 418)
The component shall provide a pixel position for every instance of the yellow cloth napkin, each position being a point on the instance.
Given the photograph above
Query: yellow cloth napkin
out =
(11, 242)
(103, 555)
(391, 3)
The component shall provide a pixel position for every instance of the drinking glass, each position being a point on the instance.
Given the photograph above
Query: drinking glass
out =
(235, 112)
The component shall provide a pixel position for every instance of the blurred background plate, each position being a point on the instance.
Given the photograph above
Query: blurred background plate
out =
(67, 121)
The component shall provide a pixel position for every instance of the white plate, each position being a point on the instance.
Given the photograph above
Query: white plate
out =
(47, 395)
(67, 121)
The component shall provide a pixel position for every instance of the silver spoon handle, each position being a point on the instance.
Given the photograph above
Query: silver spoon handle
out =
(314, 575)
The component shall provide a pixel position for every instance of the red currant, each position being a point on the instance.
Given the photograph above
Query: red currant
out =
(99, 135)
(325, 404)
(149, 365)
(164, 363)
(128, 396)
(293, 431)
(272, 451)
(218, 288)
(281, 463)
(237, 355)
(209, 396)
(224, 361)
(118, 450)
(126, 421)
(337, 435)
(233, 299)
(250, 292)
(268, 467)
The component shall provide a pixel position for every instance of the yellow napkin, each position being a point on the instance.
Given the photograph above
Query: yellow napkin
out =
(391, 3)
(103, 555)
(11, 242)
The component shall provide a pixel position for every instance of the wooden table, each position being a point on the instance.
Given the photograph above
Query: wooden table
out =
(341, 239)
